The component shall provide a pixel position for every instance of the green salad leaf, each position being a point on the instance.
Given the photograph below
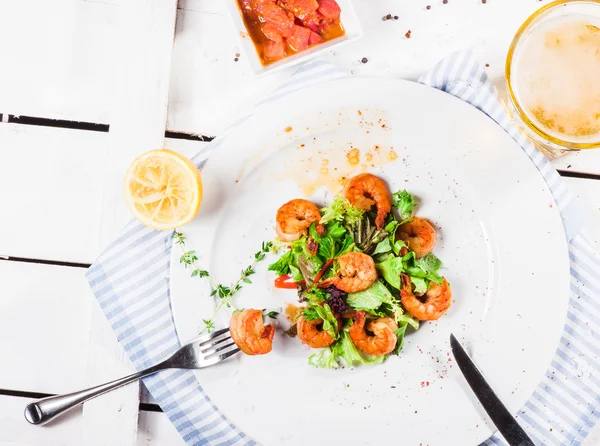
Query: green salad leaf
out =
(335, 230)
(346, 246)
(314, 295)
(323, 359)
(342, 211)
(390, 269)
(371, 298)
(404, 202)
(377, 300)
(282, 265)
(398, 245)
(345, 350)
(295, 273)
(326, 248)
(420, 284)
(425, 268)
(330, 323)
(290, 259)
(383, 247)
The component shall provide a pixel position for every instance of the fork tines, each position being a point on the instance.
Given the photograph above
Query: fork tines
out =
(216, 347)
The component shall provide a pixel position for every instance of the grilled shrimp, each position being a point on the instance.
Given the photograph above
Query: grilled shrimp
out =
(383, 340)
(249, 333)
(356, 273)
(419, 235)
(294, 218)
(436, 301)
(365, 191)
(309, 333)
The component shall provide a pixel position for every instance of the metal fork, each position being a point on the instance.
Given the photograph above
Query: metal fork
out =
(203, 351)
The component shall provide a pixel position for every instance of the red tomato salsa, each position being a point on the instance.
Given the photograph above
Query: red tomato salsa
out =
(280, 28)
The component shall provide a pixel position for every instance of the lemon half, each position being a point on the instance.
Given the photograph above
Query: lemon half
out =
(163, 189)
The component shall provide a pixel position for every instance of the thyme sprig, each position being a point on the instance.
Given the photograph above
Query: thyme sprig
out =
(224, 293)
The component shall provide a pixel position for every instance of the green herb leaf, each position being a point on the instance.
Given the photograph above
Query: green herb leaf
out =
(208, 324)
(272, 314)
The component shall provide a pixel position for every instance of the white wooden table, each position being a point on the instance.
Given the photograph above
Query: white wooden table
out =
(85, 85)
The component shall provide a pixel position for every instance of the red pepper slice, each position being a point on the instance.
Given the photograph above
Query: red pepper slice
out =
(283, 282)
(322, 271)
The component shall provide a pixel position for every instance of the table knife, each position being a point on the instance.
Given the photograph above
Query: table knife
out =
(497, 411)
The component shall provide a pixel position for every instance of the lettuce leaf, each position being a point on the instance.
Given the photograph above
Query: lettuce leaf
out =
(335, 230)
(347, 351)
(420, 284)
(371, 298)
(330, 323)
(346, 246)
(323, 359)
(430, 265)
(282, 265)
(326, 248)
(342, 211)
(383, 247)
(390, 269)
(290, 258)
(376, 300)
(404, 202)
(295, 273)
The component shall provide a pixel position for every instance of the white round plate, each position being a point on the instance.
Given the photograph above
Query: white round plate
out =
(500, 238)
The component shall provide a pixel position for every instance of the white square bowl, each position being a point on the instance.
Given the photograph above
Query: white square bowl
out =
(352, 28)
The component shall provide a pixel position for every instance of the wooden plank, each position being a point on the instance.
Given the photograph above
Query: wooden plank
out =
(14, 430)
(586, 161)
(61, 192)
(57, 58)
(44, 323)
(145, 31)
(155, 429)
(56, 178)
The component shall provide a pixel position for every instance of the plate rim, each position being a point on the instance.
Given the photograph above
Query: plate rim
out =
(454, 100)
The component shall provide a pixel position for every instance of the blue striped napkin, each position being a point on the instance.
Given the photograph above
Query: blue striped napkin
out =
(131, 282)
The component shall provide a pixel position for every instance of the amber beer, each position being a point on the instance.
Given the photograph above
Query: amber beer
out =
(553, 76)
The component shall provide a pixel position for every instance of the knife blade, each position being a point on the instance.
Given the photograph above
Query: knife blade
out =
(497, 411)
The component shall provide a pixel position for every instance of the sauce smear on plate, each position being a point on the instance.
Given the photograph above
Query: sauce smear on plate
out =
(280, 28)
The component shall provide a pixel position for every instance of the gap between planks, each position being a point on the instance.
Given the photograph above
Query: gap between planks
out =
(147, 407)
(90, 126)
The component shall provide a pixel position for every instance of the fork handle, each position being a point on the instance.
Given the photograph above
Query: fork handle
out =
(45, 409)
